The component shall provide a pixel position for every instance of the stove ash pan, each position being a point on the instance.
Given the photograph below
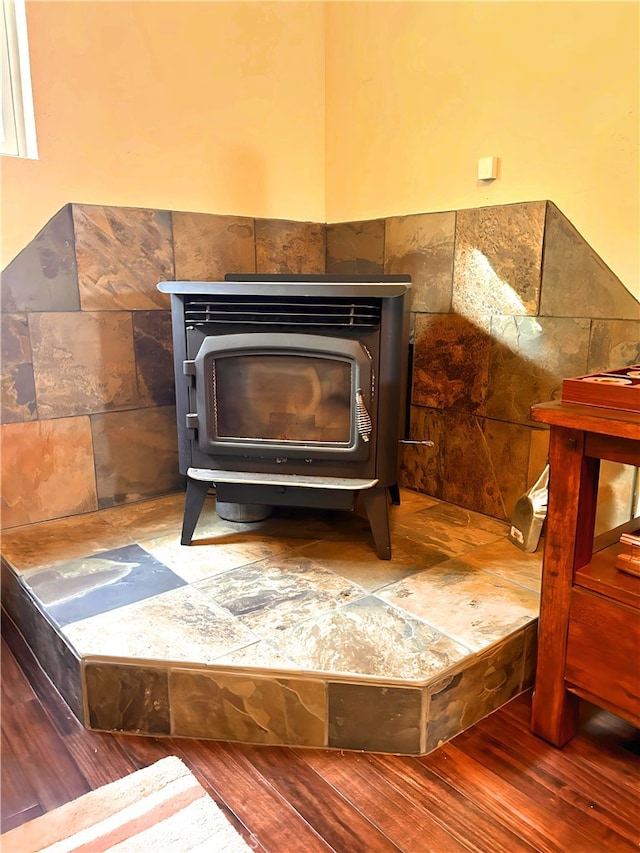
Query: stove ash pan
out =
(290, 391)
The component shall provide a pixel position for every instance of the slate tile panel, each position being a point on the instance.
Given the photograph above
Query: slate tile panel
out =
(18, 402)
(283, 246)
(356, 248)
(422, 246)
(44, 276)
(47, 470)
(207, 246)
(122, 254)
(498, 255)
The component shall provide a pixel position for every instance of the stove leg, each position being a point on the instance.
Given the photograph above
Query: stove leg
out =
(376, 503)
(193, 503)
(394, 493)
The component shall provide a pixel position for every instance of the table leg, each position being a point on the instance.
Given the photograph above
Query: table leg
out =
(573, 486)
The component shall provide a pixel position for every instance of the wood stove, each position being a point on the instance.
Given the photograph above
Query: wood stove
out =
(291, 391)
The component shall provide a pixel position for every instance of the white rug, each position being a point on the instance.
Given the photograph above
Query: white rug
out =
(160, 808)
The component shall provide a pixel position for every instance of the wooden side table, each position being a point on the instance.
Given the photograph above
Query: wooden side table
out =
(589, 630)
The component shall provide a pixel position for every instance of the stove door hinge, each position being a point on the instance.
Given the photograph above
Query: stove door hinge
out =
(192, 424)
(189, 367)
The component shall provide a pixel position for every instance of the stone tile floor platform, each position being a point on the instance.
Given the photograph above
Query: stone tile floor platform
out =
(286, 631)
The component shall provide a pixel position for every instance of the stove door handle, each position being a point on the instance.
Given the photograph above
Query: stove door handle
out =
(363, 418)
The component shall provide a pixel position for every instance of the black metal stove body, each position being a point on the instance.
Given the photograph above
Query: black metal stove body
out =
(290, 391)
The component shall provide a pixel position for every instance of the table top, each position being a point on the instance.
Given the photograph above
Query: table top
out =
(614, 422)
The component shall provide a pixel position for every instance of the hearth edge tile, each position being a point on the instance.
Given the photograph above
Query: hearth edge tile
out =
(390, 745)
(404, 735)
(522, 679)
(155, 701)
(17, 601)
(301, 723)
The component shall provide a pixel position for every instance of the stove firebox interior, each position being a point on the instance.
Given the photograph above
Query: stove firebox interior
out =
(291, 391)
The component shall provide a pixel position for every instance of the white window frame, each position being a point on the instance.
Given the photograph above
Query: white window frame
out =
(17, 119)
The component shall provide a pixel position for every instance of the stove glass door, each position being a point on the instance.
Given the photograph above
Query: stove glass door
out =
(275, 392)
(283, 397)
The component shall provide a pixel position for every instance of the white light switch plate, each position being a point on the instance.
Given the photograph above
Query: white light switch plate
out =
(487, 168)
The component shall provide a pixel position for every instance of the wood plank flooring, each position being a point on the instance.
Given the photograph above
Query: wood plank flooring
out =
(496, 788)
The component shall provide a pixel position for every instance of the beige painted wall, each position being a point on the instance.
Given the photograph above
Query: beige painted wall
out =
(213, 107)
(417, 92)
(220, 107)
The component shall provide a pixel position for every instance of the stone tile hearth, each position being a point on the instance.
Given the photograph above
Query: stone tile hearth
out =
(287, 631)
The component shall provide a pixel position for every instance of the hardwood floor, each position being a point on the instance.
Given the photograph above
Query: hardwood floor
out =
(494, 788)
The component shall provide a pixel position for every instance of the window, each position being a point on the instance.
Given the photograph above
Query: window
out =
(17, 122)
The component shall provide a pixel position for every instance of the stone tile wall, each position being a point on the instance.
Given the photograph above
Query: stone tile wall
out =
(88, 397)
(505, 302)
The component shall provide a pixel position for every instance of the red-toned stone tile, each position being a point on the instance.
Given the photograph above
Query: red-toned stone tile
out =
(290, 247)
(485, 464)
(83, 362)
(207, 246)
(47, 470)
(450, 362)
(136, 454)
(122, 254)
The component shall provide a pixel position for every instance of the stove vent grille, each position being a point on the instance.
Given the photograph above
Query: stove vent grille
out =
(282, 311)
